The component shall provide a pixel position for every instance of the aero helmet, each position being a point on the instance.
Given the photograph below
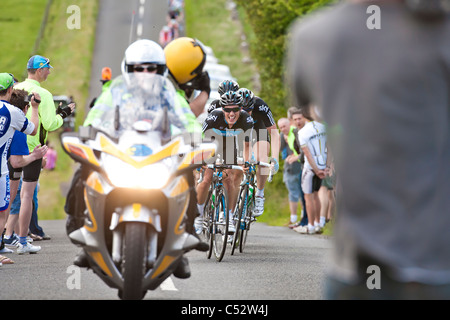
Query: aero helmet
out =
(248, 99)
(227, 85)
(230, 98)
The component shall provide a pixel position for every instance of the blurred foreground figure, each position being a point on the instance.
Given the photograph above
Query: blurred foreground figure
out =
(383, 88)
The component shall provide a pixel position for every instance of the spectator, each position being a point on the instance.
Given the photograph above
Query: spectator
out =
(38, 69)
(13, 120)
(291, 170)
(312, 138)
(19, 157)
(383, 93)
(51, 158)
(297, 122)
(174, 28)
(327, 197)
(165, 36)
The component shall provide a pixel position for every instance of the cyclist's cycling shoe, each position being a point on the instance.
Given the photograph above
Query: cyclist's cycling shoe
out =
(259, 206)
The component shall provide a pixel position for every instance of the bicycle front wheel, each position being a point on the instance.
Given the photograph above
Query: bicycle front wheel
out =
(220, 225)
(240, 218)
(248, 219)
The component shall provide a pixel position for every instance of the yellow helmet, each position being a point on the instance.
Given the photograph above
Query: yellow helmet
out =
(185, 58)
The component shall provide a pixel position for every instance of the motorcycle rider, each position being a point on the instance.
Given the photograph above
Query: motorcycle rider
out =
(185, 59)
(140, 57)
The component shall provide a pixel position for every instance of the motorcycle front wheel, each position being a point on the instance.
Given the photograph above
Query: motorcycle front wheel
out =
(133, 260)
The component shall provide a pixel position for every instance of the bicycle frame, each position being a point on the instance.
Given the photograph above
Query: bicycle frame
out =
(244, 208)
(216, 225)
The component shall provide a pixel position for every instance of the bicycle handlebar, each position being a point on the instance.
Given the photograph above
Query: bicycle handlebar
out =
(225, 166)
(236, 167)
(263, 164)
(219, 166)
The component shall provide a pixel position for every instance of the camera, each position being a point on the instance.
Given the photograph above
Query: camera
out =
(29, 97)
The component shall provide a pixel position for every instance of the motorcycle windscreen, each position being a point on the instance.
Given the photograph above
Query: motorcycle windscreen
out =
(142, 102)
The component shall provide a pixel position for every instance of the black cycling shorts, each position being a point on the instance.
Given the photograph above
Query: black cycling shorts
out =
(14, 173)
(32, 171)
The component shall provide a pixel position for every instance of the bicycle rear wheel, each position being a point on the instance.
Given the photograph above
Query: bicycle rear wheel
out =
(208, 214)
(220, 225)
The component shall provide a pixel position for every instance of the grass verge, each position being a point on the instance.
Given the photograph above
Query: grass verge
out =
(70, 52)
(20, 23)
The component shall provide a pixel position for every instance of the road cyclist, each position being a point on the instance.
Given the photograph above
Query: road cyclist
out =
(231, 128)
(266, 141)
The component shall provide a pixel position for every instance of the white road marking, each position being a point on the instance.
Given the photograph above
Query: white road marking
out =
(168, 285)
(139, 29)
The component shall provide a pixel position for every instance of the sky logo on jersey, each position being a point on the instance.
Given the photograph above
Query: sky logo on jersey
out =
(264, 108)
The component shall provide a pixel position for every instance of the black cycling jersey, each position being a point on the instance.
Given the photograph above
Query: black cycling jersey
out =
(263, 119)
(215, 127)
(261, 114)
(215, 104)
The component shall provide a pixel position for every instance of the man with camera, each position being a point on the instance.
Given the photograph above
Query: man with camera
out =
(50, 119)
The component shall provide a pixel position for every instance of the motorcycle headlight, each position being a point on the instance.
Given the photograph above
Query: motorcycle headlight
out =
(124, 175)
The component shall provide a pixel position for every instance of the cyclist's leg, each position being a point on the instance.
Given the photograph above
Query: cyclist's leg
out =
(202, 190)
(261, 151)
(231, 181)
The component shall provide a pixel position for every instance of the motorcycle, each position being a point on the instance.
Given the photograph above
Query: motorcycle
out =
(137, 193)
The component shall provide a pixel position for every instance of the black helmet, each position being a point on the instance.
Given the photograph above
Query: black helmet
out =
(231, 98)
(248, 99)
(227, 85)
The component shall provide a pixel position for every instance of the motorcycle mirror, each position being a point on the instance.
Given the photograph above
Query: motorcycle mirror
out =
(165, 126)
(84, 132)
(117, 119)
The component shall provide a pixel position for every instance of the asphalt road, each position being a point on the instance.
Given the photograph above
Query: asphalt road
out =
(119, 24)
(277, 264)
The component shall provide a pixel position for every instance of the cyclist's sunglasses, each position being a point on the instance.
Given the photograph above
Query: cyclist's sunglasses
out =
(149, 68)
(228, 110)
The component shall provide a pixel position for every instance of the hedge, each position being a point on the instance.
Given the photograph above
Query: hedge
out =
(270, 20)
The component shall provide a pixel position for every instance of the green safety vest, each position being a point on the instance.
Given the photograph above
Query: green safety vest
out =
(48, 119)
(291, 139)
